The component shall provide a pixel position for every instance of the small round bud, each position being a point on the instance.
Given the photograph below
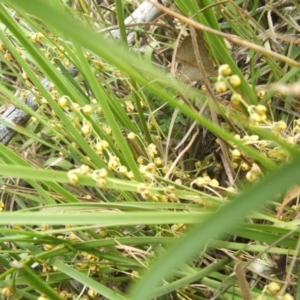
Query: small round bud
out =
(101, 173)
(290, 140)
(281, 125)
(73, 237)
(99, 110)
(2, 47)
(86, 129)
(214, 183)
(94, 101)
(113, 162)
(231, 190)
(47, 247)
(129, 106)
(158, 161)
(287, 297)
(84, 169)
(107, 129)
(236, 153)
(151, 168)
(73, 178)
(245, 166)
(261, 94)
(24, 94)
(198, 164)
(103, 233)
(45, 227)
(254, 138)
(100, 182)
(63, 102)
(254, 119)
(207, 179)
(273, 288)
(123, 169)
(224, 70)
(98, 64)
(87, 109)
(149, 125)
(8, 56)
(131, 136)
(220, 87)
(7, 291)
(118, 73)
(92, 293)
(135, 274)
(199, 182)
(130, 175)
(261, 109)
(236, 99)
(250, 176)
(140, 160)
(261, 297)
(152, 150)
(75, 107)
(39, 36)
(235, 81)
(67, 63)
(157, 138)
(178, 181)
(25, 76)
(235, 165)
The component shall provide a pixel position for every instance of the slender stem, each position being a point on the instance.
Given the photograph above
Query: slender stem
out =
(120, 16)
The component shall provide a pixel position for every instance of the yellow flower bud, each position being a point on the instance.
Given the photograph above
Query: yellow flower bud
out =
(224, 70)
(220, 87)
(67, 63)
(281, 125)
(87, 109)
(236, 153)
(75, 107)
(131, 136)
(214, 183)
(245, 166)
(7, 291)
(236, 99)
(86, 129)
(261, 94)
(235, 81)
(287, 297)
(261, 109)
(250, 176)
(84, 169)
(254, 119)
(100, 182)
(63, 102)
(273, 288)
(73, 178)
(92, 293)
(25, 76)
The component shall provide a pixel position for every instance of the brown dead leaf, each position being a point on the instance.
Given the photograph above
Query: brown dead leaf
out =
(292, 89)
(189, 70)
(242, 281)
(290, 195)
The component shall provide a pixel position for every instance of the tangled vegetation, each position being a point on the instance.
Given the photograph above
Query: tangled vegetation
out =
(157, 160)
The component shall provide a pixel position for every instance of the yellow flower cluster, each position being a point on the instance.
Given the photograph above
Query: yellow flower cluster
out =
(226, 80)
